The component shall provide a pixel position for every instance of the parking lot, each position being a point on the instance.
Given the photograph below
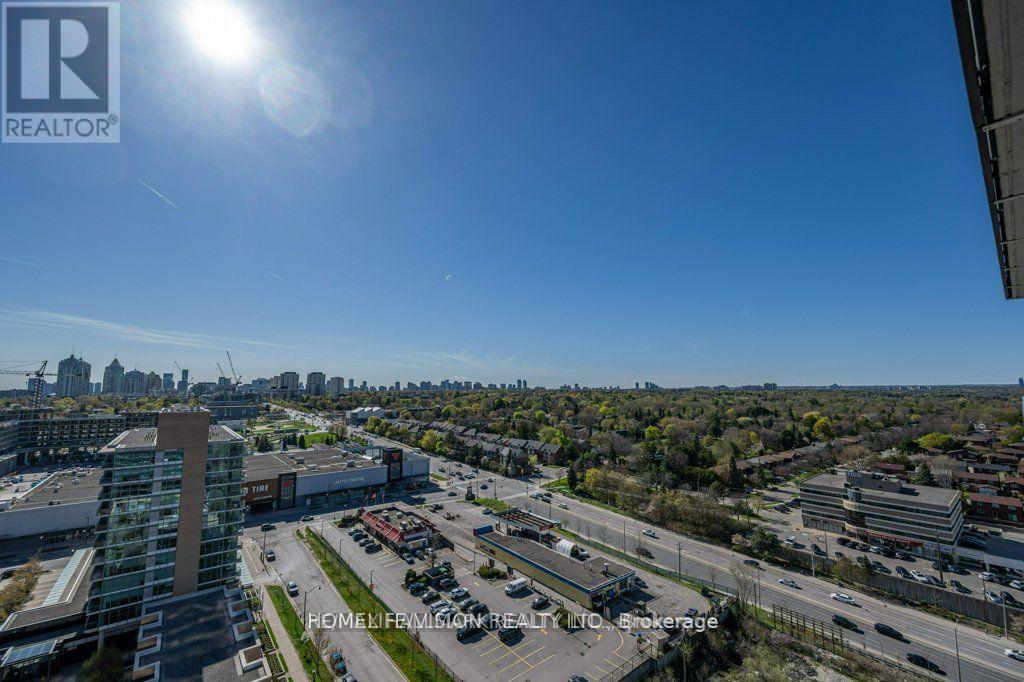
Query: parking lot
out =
(539, 653)
(970, 578)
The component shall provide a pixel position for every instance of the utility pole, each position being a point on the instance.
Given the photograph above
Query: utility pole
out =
(956, 642)
(679, 559)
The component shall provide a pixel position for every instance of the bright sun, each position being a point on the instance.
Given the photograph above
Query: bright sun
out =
(220, 30)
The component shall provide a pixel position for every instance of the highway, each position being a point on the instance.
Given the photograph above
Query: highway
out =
(980, 654)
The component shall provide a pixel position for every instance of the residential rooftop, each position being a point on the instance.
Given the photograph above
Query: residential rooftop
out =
(196, 640)
(135, 439)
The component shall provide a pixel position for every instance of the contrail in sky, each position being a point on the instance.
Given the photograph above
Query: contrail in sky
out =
(276, 276)
(157, 192)
(28, 263)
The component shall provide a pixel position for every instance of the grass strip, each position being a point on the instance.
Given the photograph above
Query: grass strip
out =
(310, 657)
(415, 663)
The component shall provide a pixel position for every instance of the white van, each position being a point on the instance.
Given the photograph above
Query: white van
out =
(517, 585)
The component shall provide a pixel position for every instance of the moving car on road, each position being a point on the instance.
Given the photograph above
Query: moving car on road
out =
(1016, 654)
(888, 631)
(844, 622)
(844, 598)
(919, 660)
(649, 533)
(293, 589)
(788, 583)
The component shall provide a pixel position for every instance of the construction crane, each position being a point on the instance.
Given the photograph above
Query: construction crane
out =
(37, 388)
(234, 375)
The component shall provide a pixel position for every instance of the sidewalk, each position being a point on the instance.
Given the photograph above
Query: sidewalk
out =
(287, 649)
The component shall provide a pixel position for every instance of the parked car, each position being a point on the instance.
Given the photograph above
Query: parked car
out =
(338, 663)
(838, 554)
(468, 604)
(508, 634)
(903, 573)
(487, 511)
(446, 583)
(429, 596)
(880, 567)
(479, 610)
(817, 550)
(458, 593)
(467, 631)
(372, 548)
(438, 605)
(307, 518)
(293, 589)
(408, 559)
(1017, 584)
(353, 530)
(1008, 598)
(993, 597)
(843, 541)
(540, 602)
(452, 493)
(986, 575)
(416, 589)
(483, 486)
(267, 526)
(271, 556)
(959, 587)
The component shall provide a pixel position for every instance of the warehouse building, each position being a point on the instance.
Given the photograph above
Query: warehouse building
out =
(328, 476)
(591, 583)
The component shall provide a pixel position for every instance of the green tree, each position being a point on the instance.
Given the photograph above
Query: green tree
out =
(763, 541)
(923, 474)
(822, 429)
(735, 479)
(571, 479)
(302, 441)
(942, 441)
(105, 665)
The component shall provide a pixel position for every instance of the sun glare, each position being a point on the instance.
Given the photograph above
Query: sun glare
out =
(220, 30)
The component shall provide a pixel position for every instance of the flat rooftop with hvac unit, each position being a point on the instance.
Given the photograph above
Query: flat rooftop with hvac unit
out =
(590, 582)
(329, 475)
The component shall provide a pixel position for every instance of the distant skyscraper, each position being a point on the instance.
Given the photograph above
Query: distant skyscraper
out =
(113, 378)
(134, 382)
(364, 384)
(289, 381)
(336, 386)
(73, 377)
(153, 382)
(183, 383)
(1020, 381)
(315, 383)
(351, 384)
(168, 382)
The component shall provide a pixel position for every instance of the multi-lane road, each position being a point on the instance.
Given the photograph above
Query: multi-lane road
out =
(963, 653)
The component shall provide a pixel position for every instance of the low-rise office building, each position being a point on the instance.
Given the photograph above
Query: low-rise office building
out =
(883, 510)
(591, 583)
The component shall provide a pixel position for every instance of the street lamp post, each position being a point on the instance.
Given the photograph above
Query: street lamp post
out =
(305, 593)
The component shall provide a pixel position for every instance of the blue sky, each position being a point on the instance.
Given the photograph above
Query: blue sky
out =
(685, 192)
